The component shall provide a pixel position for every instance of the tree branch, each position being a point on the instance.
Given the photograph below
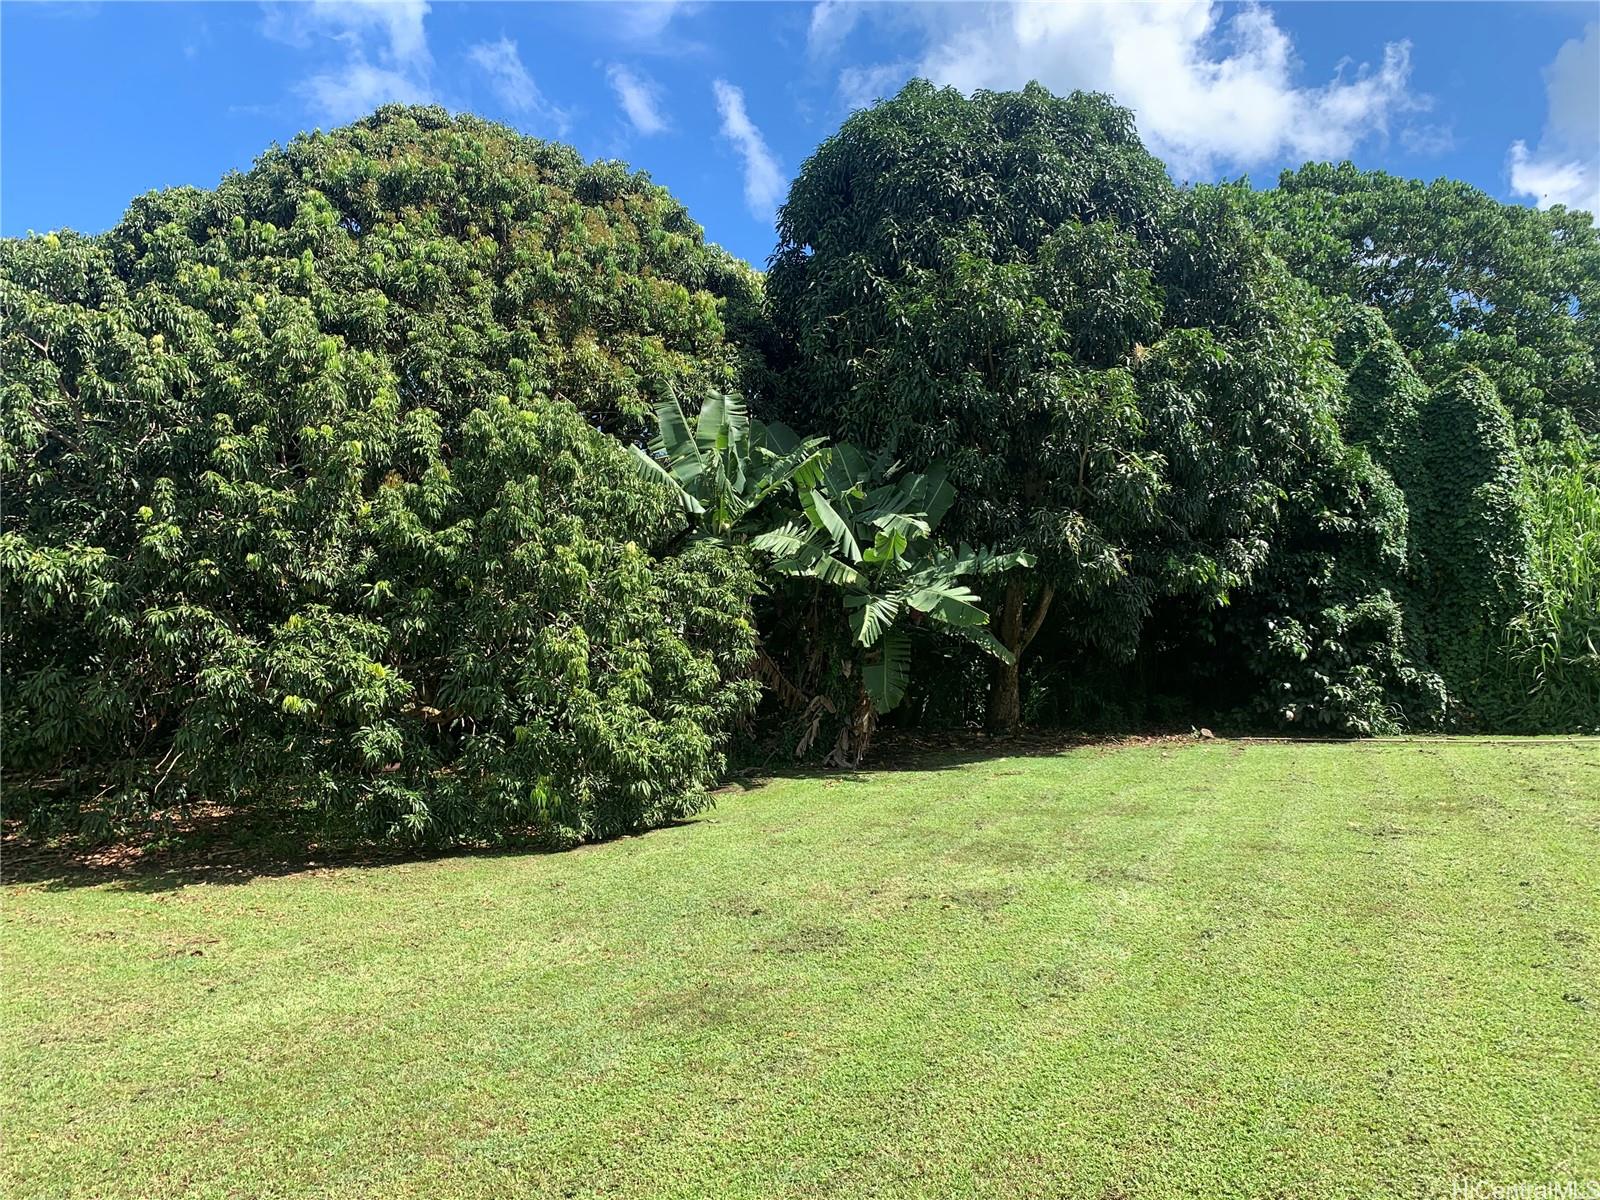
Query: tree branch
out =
(1045, 597)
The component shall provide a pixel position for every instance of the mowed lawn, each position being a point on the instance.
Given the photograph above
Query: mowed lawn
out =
(1172, 969)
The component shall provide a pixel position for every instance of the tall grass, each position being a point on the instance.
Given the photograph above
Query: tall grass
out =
(1554, 647)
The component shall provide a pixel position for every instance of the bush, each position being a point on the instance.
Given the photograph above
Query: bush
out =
(313, 499)
(1553, 646)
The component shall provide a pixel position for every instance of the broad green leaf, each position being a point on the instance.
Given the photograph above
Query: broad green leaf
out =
(647, 466)
(774, 437)
(980, 636)
(886, 547)
(723, 423)
(845, 471)
(950, 603)
(825, 516)
(672, 441)
(941, 495)
(870, 616)
(888, 674)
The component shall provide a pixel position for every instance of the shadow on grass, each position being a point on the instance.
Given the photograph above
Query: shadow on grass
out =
(895, 752)
(217, 847)
(221, 846)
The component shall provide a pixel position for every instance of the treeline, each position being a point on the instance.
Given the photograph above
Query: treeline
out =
(432, 477)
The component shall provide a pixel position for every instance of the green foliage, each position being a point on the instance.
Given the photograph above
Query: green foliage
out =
(871, 534)
(1322, 633)
(1496, 306)
(1122, 380)
(1553, 645)
(1460, 277)
(937, 287)
(309, 498)
(727, 466)
(1326, 640)
(1384, 396)
(1475, 533)
(836, 524)
(965, 282)
(329, 487)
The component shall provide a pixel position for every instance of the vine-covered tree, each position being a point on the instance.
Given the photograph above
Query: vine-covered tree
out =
(1477, 536)
(310, 494)
(1514, 293)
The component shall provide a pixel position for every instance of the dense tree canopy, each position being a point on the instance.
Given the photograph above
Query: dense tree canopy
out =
(315, 498)
(1462, 279)
(1119, 378)
(336, 485)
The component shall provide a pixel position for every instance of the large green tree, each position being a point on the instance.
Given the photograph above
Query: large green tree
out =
(1116, 373)
(1462, 279)
(311, 493)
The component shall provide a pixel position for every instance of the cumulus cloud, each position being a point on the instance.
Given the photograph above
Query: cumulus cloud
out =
(359, 88)
(1565, 168)
(763, 180)
(382, 47)
(501, 62)
(1208, 88)
(640, 99)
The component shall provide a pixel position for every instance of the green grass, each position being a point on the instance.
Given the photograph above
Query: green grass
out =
(1210, 969)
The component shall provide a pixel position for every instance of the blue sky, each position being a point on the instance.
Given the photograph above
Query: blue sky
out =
(722, 102)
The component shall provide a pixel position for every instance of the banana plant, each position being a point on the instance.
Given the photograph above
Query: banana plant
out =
(874, 542)
(857, 527)
(726, 466)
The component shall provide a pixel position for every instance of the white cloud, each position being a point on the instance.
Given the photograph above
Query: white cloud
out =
(1550, 180)
(646, 25)
(398, 24)
(860, 87)
(1565, 169)
(1428, 140)
(357, 89)
(640, 99)
(831, 23)
(1207, 88)
(763, 179)
(509, 78)
(382, 47)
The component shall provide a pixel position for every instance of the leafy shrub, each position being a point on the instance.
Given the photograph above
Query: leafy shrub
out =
(312, 500)
(1553, 645)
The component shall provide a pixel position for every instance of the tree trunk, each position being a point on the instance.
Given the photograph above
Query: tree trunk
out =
(855, 734)
(1005, 679)
(1005, 692)
(1005, 699)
